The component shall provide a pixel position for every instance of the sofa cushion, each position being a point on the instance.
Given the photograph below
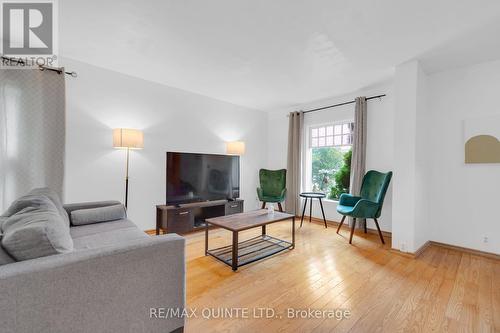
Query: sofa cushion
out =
(26, 203)
(5, 258)
(35, 228)
(99, 214)
(87, 205)
(92, 229)
(52, 195)
(92, 236)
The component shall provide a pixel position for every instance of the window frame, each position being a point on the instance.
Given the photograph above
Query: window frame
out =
(326, 136)
(307, 166)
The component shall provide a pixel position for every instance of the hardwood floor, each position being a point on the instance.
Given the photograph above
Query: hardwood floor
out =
(443, 290)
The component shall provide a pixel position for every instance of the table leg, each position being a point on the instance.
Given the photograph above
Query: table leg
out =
(206, 238)
(263, 230)
(310, 209)
(303, 212)
(235, 251)
(322, 211)
(158, 220)
(293, 232)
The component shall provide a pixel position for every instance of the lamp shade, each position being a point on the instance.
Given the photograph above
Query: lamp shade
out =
(128, 138)
(235, 148)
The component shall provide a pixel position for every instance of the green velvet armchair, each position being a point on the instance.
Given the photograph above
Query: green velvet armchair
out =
(369, 204)
(272, 187)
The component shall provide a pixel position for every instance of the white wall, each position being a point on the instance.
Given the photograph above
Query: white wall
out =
(464, 198)
(410, 207)
(379, 144)
(422, 165)
(172, 119)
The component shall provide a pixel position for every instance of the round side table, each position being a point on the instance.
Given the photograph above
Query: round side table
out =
(310, 196)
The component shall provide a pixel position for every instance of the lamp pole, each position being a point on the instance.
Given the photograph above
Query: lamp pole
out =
(130, 139)
(126, 179)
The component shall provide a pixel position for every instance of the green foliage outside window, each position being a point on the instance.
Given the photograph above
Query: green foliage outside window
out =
(331, 171)
(342, 177)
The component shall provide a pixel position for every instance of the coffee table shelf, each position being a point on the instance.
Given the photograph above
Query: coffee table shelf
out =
(251, 250)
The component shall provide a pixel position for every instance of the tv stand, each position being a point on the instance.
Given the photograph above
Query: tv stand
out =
(185, 218)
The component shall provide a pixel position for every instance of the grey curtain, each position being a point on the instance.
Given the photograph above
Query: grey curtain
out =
(294, 162)
(32, 132)
(358, 149)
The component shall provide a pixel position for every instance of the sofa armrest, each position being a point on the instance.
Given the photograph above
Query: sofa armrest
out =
(89, 205)
(110, 289)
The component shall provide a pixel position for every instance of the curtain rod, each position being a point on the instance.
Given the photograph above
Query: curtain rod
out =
(59, 70)
(340, 104)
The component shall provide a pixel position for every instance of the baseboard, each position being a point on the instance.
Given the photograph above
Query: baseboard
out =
(467, 250)
(421, 249)
(403, 254)
(415, 254)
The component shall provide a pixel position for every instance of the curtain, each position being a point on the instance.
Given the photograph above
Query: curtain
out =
(32, 132)
(294, 162)
(358, 150)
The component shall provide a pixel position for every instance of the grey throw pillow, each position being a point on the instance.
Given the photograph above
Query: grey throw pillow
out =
(98, 214)
(5, 258)
(52, 195)
(35, 229)
(35, 196)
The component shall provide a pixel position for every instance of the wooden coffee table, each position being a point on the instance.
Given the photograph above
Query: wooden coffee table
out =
(242, 253)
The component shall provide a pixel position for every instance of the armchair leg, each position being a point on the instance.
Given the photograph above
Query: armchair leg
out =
(263, 205)
(279, 206)
(364, 225)
(379, 232)
(352, 230)
(341, 222)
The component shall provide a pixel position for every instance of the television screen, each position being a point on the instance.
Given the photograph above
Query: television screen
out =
(201, 177)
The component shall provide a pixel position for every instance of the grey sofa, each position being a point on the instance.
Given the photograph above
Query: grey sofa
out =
(110, 281)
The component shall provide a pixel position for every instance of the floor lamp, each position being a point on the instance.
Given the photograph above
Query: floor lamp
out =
(126, 138)
(235, 148)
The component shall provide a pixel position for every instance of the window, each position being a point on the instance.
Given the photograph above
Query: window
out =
(330, 153)
(335, 135)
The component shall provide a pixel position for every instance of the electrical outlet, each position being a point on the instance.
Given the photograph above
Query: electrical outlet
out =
(485, 239)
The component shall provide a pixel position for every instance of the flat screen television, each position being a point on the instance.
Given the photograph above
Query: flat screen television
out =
(195, 177)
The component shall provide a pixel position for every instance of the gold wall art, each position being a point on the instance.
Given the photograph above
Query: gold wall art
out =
(482, 143)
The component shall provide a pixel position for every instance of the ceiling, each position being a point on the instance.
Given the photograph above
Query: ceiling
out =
(272, 54)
